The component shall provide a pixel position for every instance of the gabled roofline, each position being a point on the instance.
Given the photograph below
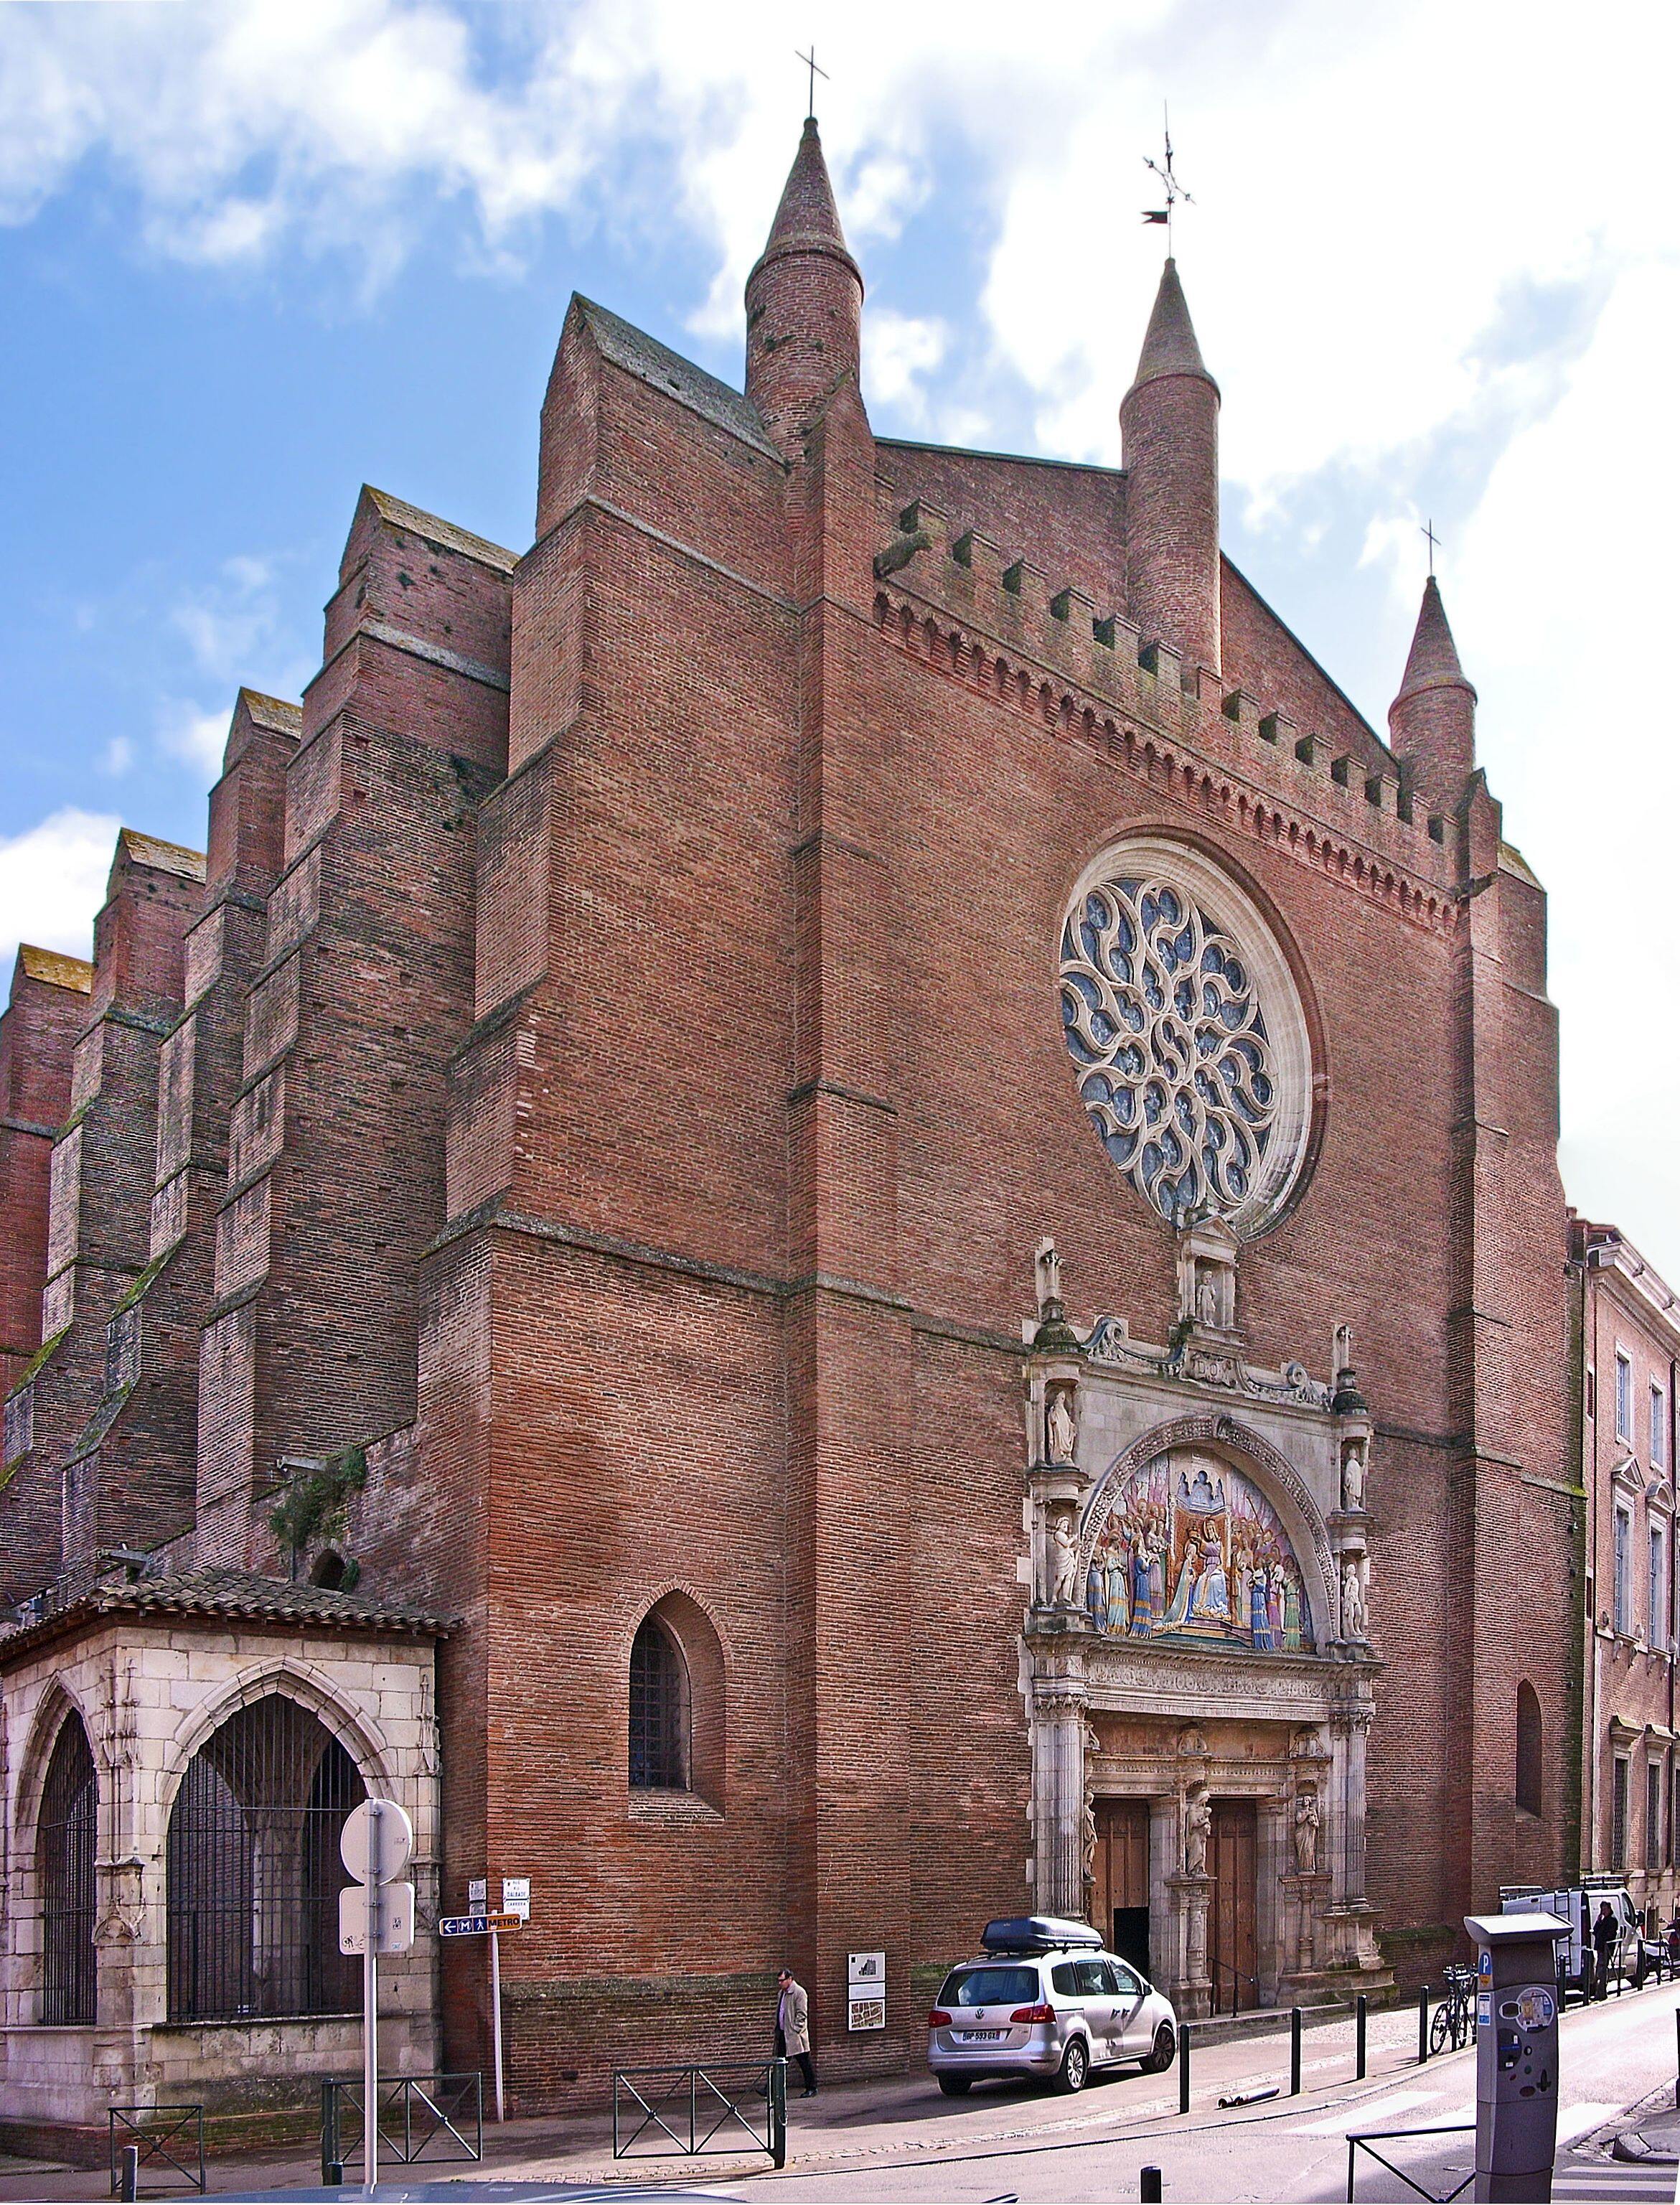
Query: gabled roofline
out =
(1014, 459)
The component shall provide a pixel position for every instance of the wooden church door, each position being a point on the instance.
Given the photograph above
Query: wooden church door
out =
(1120, 1902)
(1233, 1857)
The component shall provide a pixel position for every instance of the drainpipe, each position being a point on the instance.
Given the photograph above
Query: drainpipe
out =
(1594, 1259)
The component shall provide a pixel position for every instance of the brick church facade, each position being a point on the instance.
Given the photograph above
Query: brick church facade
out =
(833, 1209)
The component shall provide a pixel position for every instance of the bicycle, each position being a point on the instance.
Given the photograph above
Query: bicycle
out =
(1454, 2023)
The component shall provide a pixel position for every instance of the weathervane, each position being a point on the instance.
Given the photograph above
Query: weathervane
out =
(809, 61)
(1174, 191)
(1428, 530)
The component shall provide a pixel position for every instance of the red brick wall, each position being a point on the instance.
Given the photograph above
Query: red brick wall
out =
(38, 1035)
(138, 1489)
(802, 892)
(337, 1168)
(1071, 520)
(662, 1132)
(99, 1229)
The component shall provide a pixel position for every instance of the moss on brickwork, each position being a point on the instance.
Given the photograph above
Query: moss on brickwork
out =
(315, 1500)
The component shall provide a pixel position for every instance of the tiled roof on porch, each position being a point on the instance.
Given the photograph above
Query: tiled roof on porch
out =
(238, 1594)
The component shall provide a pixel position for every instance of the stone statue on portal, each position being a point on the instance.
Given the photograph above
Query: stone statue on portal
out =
(1198, 1827)
(1306, 1833)
(1059, 1426)
(1353, 1601)
(1353, 1475)
(1064, 1560)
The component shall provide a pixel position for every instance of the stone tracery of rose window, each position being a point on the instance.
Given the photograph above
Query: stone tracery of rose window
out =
(1163, 1019)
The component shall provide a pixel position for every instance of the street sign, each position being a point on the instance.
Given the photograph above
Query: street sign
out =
(395, 1840)
(478, 1895)
(516, 1896)
(475, 1925)
(397, 1917)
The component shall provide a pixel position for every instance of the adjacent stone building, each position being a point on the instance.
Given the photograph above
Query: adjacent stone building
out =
(845, 1140)
(1627, 1326)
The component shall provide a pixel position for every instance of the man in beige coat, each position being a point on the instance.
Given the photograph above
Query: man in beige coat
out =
(793, 2028)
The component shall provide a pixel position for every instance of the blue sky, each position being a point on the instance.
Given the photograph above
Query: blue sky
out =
(253, 254)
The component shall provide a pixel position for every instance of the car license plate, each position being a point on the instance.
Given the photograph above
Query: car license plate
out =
(979, 2035)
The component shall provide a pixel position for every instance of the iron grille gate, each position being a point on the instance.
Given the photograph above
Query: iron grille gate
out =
(699, 2113)
(70, 1817)
(254, 1872)
(420, 2117)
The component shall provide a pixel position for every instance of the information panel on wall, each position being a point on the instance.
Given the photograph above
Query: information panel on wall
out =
(865, 1990)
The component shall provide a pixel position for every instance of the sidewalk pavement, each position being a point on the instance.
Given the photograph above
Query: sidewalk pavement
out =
(1655, 2140)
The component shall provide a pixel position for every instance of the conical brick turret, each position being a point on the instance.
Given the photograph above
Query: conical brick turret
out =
(1431, 721)
(1170, 437)
(804, 303)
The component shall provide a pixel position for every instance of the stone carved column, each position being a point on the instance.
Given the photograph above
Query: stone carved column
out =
(1349, 1521)
(1308, 1896)
(1350, 1726)
(1189, 1895)
(1058, 1728)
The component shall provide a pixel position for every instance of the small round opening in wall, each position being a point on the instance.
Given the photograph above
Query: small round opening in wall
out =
(1187, 1034)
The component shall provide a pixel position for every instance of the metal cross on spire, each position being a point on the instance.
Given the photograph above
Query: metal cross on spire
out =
(809, 61)
(1174, 191)
(1428, 530)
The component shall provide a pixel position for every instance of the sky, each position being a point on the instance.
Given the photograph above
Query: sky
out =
(252, 255)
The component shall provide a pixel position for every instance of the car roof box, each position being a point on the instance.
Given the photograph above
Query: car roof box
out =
(1038, 1932)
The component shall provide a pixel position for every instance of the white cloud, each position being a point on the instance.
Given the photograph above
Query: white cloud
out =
(900, 351)
(229, 621)
(119, 756)
(1563, 598)
(195, 737)
(52, 881)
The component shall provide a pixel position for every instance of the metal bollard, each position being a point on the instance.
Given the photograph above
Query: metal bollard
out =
(1360, 2013)
(1148, 2186)
(332, 2166)
(1295, 2051)
(128, 2176)
(1423, 2026)
(779, 2112)
(1184, 2067)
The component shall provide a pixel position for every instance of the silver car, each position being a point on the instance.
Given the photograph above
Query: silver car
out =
(1045, 1998)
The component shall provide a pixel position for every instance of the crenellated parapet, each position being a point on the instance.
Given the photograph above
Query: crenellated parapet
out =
(1006, 629)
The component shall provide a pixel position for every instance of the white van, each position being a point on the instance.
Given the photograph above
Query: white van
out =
(1578, 1904)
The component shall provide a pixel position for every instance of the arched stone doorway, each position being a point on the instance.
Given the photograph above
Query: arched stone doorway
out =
(1198, 1652)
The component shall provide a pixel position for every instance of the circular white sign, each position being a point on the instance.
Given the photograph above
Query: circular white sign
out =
(381, 1824)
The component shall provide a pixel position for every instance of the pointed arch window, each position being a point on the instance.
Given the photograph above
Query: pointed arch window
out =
(658, 1710)
(1528, 1736)
(254, 1871)
(66, 1846)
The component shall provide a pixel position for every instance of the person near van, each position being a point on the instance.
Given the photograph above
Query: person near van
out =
(793, 2029)
(1604, 1946)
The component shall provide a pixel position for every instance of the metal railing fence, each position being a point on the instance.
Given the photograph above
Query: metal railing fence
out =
(1368, 2141)
(420, 2117)
(697, 2113)
(166, 2136)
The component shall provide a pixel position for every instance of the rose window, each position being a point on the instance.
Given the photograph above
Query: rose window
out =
(1179, 1064)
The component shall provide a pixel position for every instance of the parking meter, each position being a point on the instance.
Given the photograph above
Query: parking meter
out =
(1516, 2053)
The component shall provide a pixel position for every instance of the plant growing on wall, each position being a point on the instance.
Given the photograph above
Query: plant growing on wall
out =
(315, 1505)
